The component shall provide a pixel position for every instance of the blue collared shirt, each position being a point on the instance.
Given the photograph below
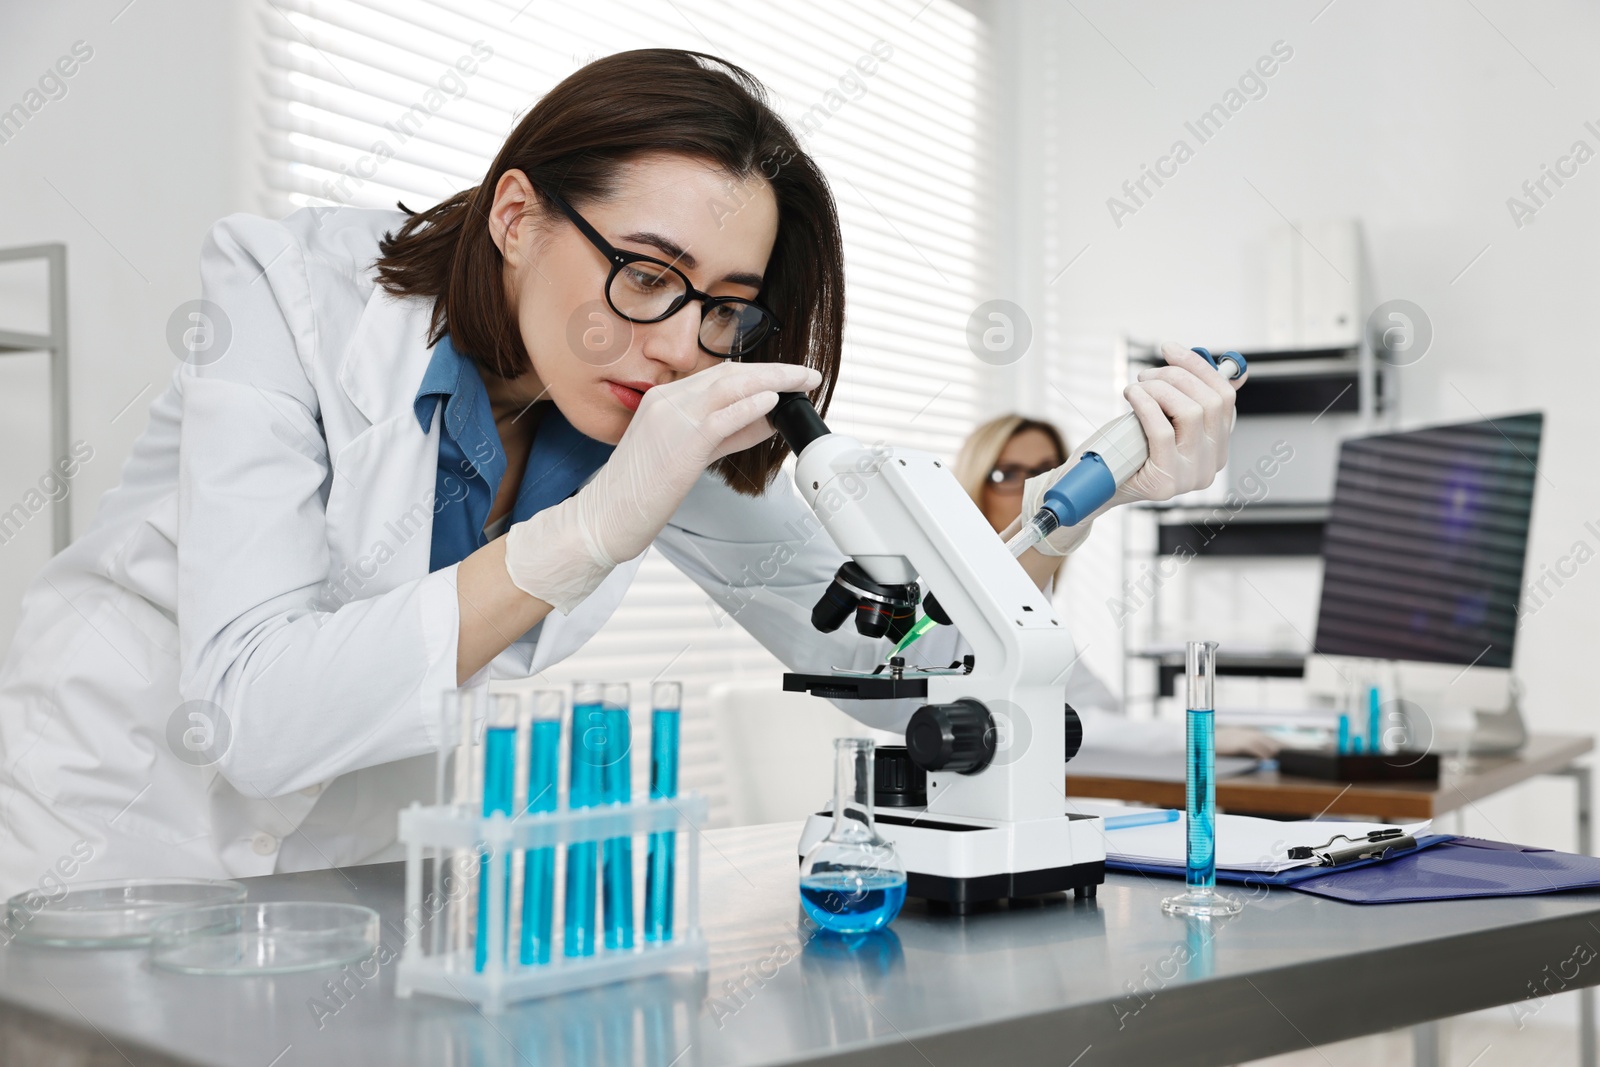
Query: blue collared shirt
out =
(472, 463)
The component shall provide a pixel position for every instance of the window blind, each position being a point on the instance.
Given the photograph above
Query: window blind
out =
(367, 103)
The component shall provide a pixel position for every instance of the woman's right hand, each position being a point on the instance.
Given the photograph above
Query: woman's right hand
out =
(561, 554)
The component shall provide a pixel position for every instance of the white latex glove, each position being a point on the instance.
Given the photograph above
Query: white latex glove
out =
(1187, 411)
(561, 554)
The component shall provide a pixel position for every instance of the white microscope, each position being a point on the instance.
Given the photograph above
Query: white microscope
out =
(976, 802)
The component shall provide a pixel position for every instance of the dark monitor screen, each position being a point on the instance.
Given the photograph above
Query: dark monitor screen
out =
(1426, 541)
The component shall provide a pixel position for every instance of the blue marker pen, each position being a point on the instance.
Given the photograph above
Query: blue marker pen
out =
(617, 774)
(1344, 734)
(1143, 818)
(539, 864)
(666, 700)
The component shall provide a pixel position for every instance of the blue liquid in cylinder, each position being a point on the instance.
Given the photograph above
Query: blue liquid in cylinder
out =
(852, 901)
(1200, 795)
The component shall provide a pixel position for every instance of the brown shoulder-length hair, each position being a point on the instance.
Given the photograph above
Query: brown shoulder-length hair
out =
(612, 110)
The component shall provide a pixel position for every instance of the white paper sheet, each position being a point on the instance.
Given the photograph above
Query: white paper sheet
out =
(1244, 843)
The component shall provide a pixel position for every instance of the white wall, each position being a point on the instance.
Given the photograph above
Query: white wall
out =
(144, 151)
(1418, 119)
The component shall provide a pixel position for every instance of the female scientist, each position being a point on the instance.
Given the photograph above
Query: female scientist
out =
(433, 453)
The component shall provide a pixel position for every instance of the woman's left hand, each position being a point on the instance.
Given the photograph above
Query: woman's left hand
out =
(1186, 409)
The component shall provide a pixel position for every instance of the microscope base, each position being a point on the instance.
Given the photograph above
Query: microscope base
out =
(957, 863)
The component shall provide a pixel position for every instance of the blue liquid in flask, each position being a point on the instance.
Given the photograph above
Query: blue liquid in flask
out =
(853, 902)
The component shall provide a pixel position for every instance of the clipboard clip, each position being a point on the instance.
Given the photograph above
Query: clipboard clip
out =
(1375, 844)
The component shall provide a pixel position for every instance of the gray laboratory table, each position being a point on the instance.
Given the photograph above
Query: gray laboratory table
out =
(1046, 984)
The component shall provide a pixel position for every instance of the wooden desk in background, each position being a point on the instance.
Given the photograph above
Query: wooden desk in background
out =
(1462, 783)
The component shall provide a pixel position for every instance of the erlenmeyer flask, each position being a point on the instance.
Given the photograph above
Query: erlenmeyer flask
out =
(852, 881)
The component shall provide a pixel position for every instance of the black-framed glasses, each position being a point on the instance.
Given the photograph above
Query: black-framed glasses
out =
(643, 289)
(1010, 477)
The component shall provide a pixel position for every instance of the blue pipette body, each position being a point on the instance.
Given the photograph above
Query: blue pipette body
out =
(1111, 456)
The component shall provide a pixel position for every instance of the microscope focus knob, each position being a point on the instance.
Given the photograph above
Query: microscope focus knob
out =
(956, 737)
(1074, 732)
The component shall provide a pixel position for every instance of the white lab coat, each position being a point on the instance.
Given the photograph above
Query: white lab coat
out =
(267, 552)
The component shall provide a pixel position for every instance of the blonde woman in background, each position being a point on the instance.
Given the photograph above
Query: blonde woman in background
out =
(995, 462)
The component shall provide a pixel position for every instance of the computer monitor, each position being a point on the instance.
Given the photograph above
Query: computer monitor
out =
(1424, 552)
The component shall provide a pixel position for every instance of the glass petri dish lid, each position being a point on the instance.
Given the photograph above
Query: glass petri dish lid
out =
(113, 914)
(275, 937)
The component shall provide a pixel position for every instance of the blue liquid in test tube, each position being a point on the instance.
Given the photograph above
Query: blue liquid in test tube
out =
(617, 863)
(539, 864)
(1374, 730)
(499, 777)
(666, 701)
(587, 749)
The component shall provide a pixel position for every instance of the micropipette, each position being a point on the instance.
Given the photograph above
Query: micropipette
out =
(1109, 458)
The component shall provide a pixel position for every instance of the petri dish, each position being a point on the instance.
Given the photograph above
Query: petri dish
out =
(109, 914)
(276, 937)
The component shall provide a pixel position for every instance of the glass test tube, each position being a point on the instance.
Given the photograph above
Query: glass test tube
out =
(464, 788)
(446, 783)
(499, 786)
(1201, 898)
(666, 701)
(617, 784)
(539, 864)
(586, 750)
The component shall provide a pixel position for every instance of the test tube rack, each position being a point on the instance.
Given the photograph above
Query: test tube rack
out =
(443, 964)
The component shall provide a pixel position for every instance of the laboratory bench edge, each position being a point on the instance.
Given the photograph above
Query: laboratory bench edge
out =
(1040, 983)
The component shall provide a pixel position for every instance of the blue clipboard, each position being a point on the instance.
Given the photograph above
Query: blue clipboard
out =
(1463, 868)
(1291, 877)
